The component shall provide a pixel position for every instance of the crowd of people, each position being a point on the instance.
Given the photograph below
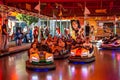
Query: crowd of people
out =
(21, 37)
(54, 44)
(59, 45)
(110, 39)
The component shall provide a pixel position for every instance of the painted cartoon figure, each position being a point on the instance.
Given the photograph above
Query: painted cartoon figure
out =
(75, 26)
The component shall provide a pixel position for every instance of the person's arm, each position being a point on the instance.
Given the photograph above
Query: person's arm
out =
(5, 31)
(91, 45)
(30, 51)
(38, 52)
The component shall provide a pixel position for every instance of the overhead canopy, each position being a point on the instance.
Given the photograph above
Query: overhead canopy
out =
(44, 1)
(70, 8)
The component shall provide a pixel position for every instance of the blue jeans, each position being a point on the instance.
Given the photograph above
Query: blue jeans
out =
(4, 42)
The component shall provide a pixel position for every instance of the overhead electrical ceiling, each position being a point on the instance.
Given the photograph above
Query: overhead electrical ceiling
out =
(69, 8)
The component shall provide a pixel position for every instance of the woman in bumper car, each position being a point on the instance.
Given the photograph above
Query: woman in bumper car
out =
(34, 53)
(85, 53)
(37, 56)
(86, 50)
(61, 46)
(40, 60)
(78, 43)
(58, 47)
(69, 43)
(89, 47)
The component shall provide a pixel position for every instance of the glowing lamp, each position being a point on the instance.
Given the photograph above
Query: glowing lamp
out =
(101, 10)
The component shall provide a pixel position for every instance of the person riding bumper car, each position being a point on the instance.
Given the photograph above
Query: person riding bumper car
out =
(82, 55)
(43, 60)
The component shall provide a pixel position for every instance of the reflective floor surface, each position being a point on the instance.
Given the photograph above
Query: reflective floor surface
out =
(106, 67)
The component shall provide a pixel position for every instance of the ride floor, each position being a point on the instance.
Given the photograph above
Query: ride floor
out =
(106, 67)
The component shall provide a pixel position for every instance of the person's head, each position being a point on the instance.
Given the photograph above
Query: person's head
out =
(42, 39)
(78, 39)
(34, 45)
(49, 36)
(35, 27)
(6, 21)
(60, 40)
(87, 40)
(82, 30)
(111, 34)
(116, 35)
(92, 26)
(36, 41)
(19, 31)
(75, 24)
(87, 23)
(55, 38)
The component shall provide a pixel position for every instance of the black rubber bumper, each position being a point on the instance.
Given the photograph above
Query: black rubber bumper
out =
(64, 56)
(110, 47)
(40, 66)
(81, 60)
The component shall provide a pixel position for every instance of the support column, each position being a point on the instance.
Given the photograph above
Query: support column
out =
(52, 27)
(115, 28)
(0, 33)
(115, 24)
(60, 27)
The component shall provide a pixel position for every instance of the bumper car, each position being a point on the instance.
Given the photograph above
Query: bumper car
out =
(61, 54)
(41, 61)
(113, 45)
(81, 55)
(94, 41)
